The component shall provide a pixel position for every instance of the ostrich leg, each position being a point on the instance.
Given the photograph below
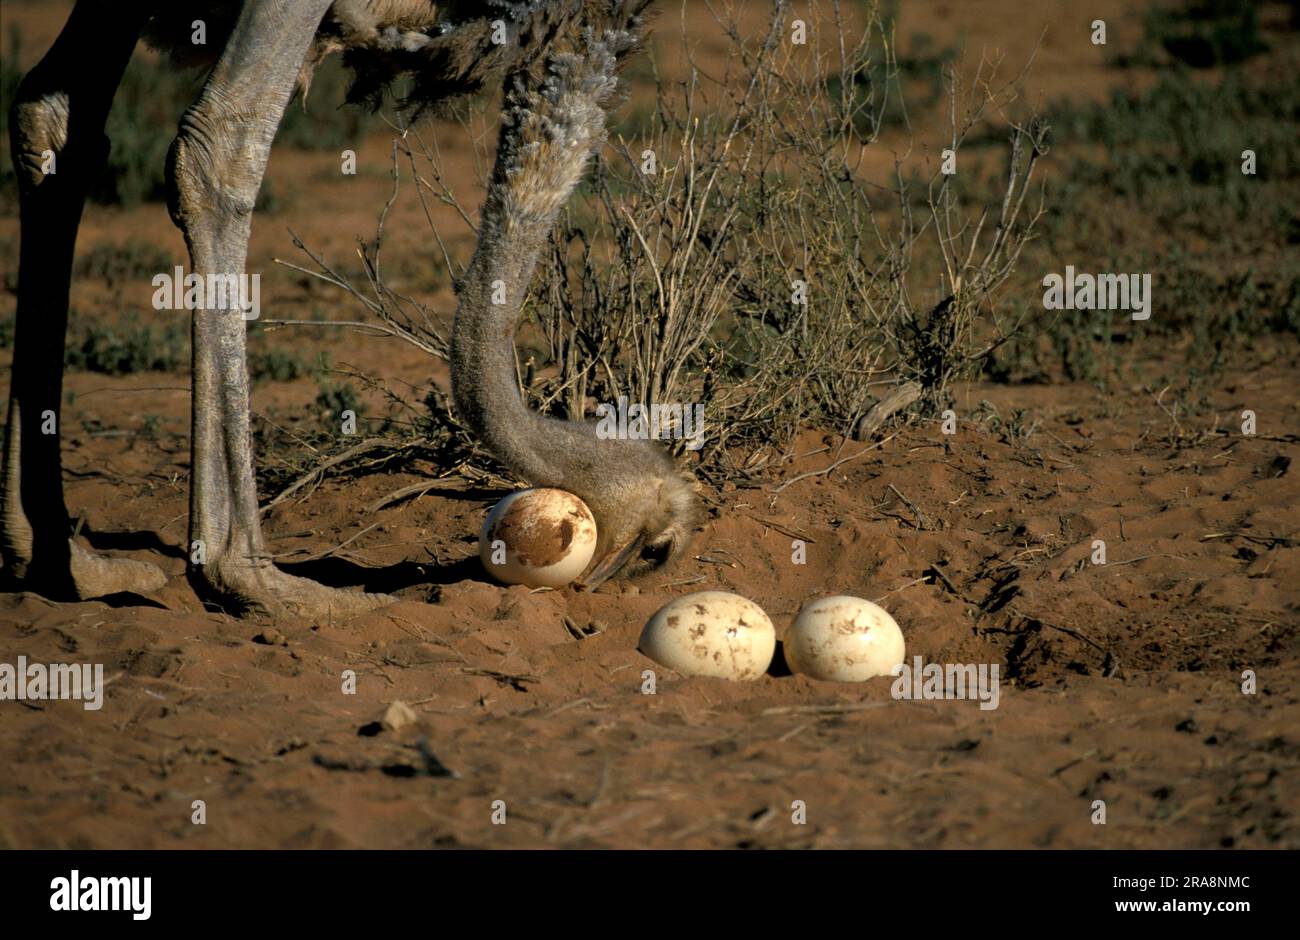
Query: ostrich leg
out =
(215, 169)
(58, 145)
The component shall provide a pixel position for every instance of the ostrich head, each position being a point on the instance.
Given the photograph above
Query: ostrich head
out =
(646, 509)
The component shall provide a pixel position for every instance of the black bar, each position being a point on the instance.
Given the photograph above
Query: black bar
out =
(652, 891)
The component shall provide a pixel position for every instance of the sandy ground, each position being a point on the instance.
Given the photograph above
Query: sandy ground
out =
(1121, 682)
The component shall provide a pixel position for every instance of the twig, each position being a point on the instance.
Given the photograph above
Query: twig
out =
(912, 506)
(783, 529)
(904, 587)
(329, 551)
(824, 709)
(518, 683)
(842, 460)
(1130, 561)
(418, 489)
(1270, 541)
(881, 411)
(369, 444)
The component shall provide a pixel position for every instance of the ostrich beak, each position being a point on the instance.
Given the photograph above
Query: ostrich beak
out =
(608, 566)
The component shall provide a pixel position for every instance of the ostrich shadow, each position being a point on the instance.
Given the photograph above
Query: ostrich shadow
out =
(340, 572)
(139, 541)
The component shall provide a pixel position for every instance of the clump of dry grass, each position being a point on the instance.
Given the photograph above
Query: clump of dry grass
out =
(738, 252)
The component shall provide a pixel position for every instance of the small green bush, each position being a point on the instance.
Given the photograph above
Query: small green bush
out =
(129, 347)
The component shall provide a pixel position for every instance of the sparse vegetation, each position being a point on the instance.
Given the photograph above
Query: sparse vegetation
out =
(688, 283)
(1154, 183)
(129, 347)
(1200, 33)
(335, 398)
(881, 88)
(277, 365)
(135, 260)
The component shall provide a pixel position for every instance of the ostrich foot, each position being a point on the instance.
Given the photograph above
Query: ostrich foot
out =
(97, 575)
(80, 575)
(265, 590)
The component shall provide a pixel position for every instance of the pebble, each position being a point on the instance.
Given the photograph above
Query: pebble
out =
(398, 716)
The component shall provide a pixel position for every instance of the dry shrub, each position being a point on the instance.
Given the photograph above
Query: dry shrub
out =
(681, 284)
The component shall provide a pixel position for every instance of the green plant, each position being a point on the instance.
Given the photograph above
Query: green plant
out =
(1156, 176)
(275, 364)
(133, 260)
(1200, 33)
(128, 347)
(335, 398)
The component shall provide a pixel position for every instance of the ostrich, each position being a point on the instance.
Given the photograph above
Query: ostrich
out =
(560, 59)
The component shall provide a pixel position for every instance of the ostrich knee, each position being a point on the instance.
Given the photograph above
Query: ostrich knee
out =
(214, 171)
(211, 198)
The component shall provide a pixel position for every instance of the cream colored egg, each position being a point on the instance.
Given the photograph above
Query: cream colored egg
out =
(711, 633)
(538, 537)
(844, 639)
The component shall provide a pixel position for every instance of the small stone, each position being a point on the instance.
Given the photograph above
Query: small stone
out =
(398, 716)
(271, 637)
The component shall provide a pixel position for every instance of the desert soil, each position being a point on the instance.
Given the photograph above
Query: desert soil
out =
(1122, 682)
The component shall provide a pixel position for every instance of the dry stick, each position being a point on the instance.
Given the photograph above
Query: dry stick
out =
(375, 328)
(1074, 633)
(286, 433)
(783, 529)
(1129, 561)
(378, 665)
(1078, 760)
(449, 482)
(842, 460)
(515, 682)
(329, 551)
(824, 709)
(880, 412)
(798, 730)
(420, 635)
(567, 706)
(912, 506)
(1269, 540)
(877, 600)
(432, 638)
(370, 443)
(938, 573)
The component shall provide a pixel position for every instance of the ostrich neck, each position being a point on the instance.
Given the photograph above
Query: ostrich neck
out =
(534, 174)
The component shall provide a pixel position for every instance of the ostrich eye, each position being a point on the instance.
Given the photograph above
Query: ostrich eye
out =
(656, 553)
